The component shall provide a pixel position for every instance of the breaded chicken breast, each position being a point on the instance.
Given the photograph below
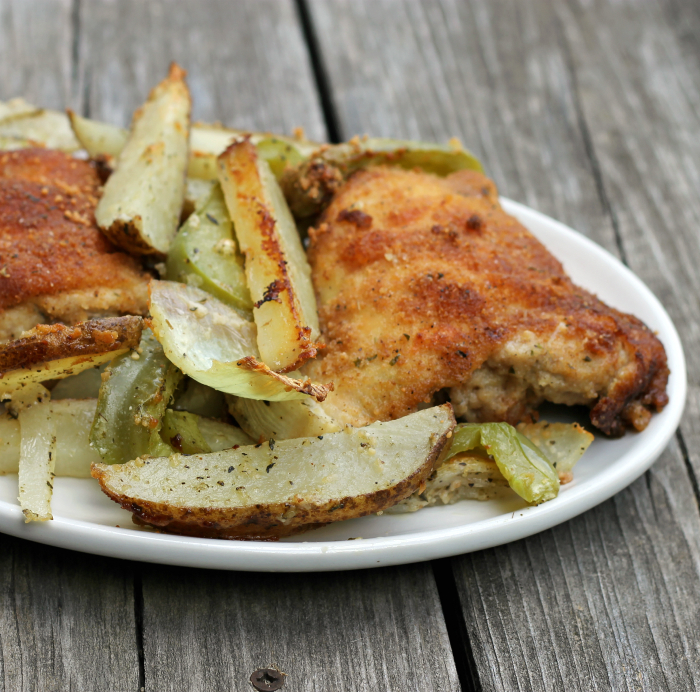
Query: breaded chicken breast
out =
(425, 284)
(55, 264)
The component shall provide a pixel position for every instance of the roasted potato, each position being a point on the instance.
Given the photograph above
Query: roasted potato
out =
(37, 459)
(50, 352)
(142, 199)
(279, 277)
(281, 488)
(100, 140)
(16, 107)
(26, 125)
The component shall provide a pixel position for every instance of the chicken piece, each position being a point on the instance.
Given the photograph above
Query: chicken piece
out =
(55, 264)
(425, 283)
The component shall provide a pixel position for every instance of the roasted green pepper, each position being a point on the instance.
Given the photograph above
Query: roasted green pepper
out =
(283, 153)
(192, 434)
(527, 470)
(204, 254)
(181, 431)
(136, 389)
(310, 185)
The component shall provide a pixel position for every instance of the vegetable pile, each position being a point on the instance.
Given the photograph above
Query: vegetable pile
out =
(198, 420)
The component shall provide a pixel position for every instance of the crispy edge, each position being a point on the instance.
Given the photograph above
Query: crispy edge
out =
(52, 342)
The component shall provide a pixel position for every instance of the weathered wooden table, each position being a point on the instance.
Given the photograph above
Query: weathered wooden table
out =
(588, 110)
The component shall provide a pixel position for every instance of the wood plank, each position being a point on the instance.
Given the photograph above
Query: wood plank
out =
(66, 620)
(372, 630)
(247, 64)
(642, 102)
(208, 630)
(608, 600)
(36, 44)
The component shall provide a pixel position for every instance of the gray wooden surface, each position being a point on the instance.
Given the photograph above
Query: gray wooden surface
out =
(588, 111)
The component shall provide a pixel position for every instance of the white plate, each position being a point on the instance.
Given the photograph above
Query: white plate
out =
(86, 520)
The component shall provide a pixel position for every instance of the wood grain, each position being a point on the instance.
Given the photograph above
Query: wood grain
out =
(639, 72)
(585, 111)
(247, 63)
(36, 44)
(606, 601)
(66, 620)
(373, 630)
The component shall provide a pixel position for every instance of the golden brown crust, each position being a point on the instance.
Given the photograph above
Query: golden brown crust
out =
(239, 163)
(49, 242)
(432, 281)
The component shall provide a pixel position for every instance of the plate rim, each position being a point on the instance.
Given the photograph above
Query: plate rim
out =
(382, 551)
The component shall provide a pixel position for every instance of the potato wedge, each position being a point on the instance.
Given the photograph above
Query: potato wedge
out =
(13, 143)
(37, 459)
(213, 344)
(279, 276)
(97, 138)
(40, 127)
(278, 489)
(142, 199)
(281, 420)
(50, 352)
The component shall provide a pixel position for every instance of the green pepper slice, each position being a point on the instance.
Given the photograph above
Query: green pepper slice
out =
(204, 254)
(527, 470)
(181, 430)
(132, 401)
(283, 153)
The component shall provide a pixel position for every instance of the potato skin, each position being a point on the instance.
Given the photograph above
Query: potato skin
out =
(128, 236)
(52, 342)
(264, 521)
